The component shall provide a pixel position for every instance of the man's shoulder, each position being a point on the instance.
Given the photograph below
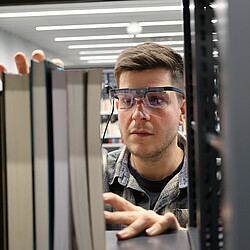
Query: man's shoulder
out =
(183, 175)
(114, 154)
(182, 140)
(113, 165)
(115, 157)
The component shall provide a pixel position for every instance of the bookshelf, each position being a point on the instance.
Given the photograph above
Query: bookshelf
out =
(202, 70)
(112, 138)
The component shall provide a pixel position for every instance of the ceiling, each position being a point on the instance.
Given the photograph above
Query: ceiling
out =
(25, 27)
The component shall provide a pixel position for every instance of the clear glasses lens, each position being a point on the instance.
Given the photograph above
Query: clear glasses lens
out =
(125, 100)
(159, 100)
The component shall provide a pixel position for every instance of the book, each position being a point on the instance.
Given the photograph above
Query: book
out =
(16, 91)
(3, 191)
(94, 166)
(62, 219)
(42, 152)
(76, 86)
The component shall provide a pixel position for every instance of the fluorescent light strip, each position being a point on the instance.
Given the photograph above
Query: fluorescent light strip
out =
(117, 45)
(178, 48)
(107, 37)
(83, 26)
(86, 58)
(100, 52)
(108, 57)
(158, 23)
(105, 25)
(213, 6)
(101, 61)
(90, 11)
(159, 34)
(84, 38)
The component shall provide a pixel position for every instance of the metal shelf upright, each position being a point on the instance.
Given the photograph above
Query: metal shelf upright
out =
(203, 123)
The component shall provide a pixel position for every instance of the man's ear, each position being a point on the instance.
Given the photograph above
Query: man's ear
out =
(117, 104)
(182, 107)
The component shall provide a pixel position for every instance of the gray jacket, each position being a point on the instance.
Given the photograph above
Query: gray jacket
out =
(173, 198)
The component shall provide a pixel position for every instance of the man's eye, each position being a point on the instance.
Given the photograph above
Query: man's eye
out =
(126, 100)
(157, 99)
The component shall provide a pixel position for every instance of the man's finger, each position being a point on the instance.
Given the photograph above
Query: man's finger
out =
(38, 55)
(144, 221)
(166, 222)
(120, 203)
(124, 217)
(21, 63)
(58, 61)
(2, 69)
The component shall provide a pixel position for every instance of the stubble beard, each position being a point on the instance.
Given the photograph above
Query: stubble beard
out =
(156, 154)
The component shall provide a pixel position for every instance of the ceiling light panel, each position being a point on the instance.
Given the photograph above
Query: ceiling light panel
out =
(161, 23)
(170, 34)
(90, 11)
(85, 38)
(117, 45)
(123, 36)
(82, 26)
(106, 25)
(101, 62)
(110, 57)
(89, 52)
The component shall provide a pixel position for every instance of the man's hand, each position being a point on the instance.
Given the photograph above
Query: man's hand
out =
(22, 64)
(137, 218)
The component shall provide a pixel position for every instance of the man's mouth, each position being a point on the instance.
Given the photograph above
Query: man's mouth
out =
(141, 133)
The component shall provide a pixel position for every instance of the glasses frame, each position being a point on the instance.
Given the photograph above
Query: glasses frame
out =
(146, 90)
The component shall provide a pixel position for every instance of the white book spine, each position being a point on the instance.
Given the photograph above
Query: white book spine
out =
(62, 224)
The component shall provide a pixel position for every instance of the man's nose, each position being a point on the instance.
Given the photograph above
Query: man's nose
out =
(140, 110)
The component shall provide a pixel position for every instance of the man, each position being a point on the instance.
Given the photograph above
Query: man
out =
(145, 183)
(151, 170)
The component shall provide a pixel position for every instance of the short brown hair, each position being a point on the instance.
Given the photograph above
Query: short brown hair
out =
(151, 55)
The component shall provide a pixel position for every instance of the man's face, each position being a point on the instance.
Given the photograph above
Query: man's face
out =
(150, 132)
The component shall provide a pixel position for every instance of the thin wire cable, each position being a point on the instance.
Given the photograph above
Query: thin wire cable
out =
(110, 116)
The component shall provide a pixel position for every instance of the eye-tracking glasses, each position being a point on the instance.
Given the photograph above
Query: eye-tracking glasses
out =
(154, 97)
